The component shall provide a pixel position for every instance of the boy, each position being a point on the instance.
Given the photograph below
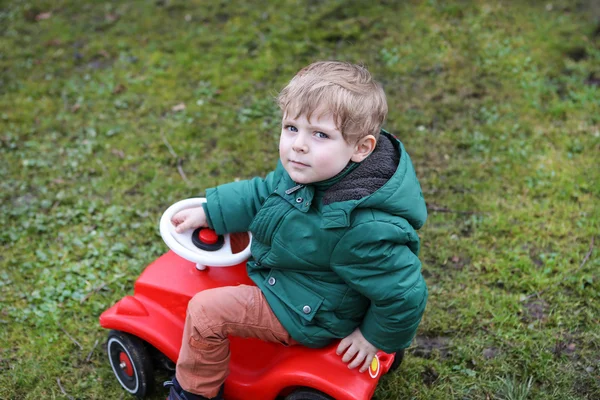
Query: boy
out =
(334, 251)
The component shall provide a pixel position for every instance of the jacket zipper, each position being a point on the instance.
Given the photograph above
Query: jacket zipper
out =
(294, 189)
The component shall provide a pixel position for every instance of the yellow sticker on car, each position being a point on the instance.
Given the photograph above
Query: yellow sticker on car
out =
(374, 367)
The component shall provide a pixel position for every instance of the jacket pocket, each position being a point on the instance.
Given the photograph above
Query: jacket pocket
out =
(302, 300)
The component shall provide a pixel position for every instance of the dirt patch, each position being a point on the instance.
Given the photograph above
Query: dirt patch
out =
(565, 348)
(491, 353)
(466, 230)
(7, 357)
(428, 347)
(429, 376)
(535, 258)
(587, 386)
(537, 254)
(568, 346)
(577, 53)
(593, 79)
(458, 262)
(133, 190)
(99, 63)
(535, 310)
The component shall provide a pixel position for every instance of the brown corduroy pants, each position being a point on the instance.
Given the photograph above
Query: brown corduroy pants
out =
(212, 315)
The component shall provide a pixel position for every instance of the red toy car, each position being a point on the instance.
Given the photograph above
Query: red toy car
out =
(148, 327)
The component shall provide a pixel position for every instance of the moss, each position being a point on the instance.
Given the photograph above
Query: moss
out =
(497, 104)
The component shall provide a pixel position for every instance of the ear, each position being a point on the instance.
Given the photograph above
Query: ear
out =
(363, 148)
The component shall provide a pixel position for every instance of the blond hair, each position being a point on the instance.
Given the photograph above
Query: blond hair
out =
(347, 91)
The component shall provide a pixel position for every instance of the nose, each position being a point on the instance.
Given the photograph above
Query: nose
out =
(299, 144)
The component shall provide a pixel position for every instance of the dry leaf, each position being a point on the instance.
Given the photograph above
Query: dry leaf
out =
(111, 17)
(178, 107)
(43, 16)
(75, 107)
(54, 42)
(118, 153)
(119, 89)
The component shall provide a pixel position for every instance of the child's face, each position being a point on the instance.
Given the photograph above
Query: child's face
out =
(313, 151)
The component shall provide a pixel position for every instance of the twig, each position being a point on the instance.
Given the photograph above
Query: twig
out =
(56, 203)
(90, 293)
(62, 389)
(434, 208)
(585, 259)
(180, 169)
(179, 160)
(171, 150)
(72, 338)
(89, 356)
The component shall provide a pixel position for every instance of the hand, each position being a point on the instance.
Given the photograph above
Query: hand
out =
(355, 344)
(190, 218)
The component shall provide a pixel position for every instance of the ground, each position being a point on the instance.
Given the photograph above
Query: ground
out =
(112, 111)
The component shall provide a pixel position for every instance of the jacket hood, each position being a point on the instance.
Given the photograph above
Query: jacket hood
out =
(376, 184)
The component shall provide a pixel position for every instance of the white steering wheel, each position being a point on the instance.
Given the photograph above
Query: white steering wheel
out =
(182, 245)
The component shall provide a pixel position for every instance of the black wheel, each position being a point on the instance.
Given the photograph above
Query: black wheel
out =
(131, 363)
(307, 394)
(397, 360)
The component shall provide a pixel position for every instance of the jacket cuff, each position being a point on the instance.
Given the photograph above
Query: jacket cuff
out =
(212, 208)
(207, 214)
(386, 341)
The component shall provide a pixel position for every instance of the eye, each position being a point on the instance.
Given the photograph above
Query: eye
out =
(291, 128)
(321, 135)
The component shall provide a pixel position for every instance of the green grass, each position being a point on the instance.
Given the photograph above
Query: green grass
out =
(497, 102)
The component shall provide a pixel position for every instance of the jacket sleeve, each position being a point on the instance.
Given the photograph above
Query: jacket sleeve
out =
(231, 207)
(374, 259)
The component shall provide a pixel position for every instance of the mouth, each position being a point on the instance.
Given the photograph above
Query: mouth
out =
(298, 163)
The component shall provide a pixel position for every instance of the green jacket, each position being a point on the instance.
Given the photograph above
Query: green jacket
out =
(327, 269)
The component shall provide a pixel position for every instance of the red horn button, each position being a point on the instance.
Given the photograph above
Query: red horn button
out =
(208, 236)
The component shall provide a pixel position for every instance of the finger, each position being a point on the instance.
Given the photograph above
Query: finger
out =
(182, 227)
(344, 344)
(367, 364)
(359, 359)
(177, 216)
(349, 354)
